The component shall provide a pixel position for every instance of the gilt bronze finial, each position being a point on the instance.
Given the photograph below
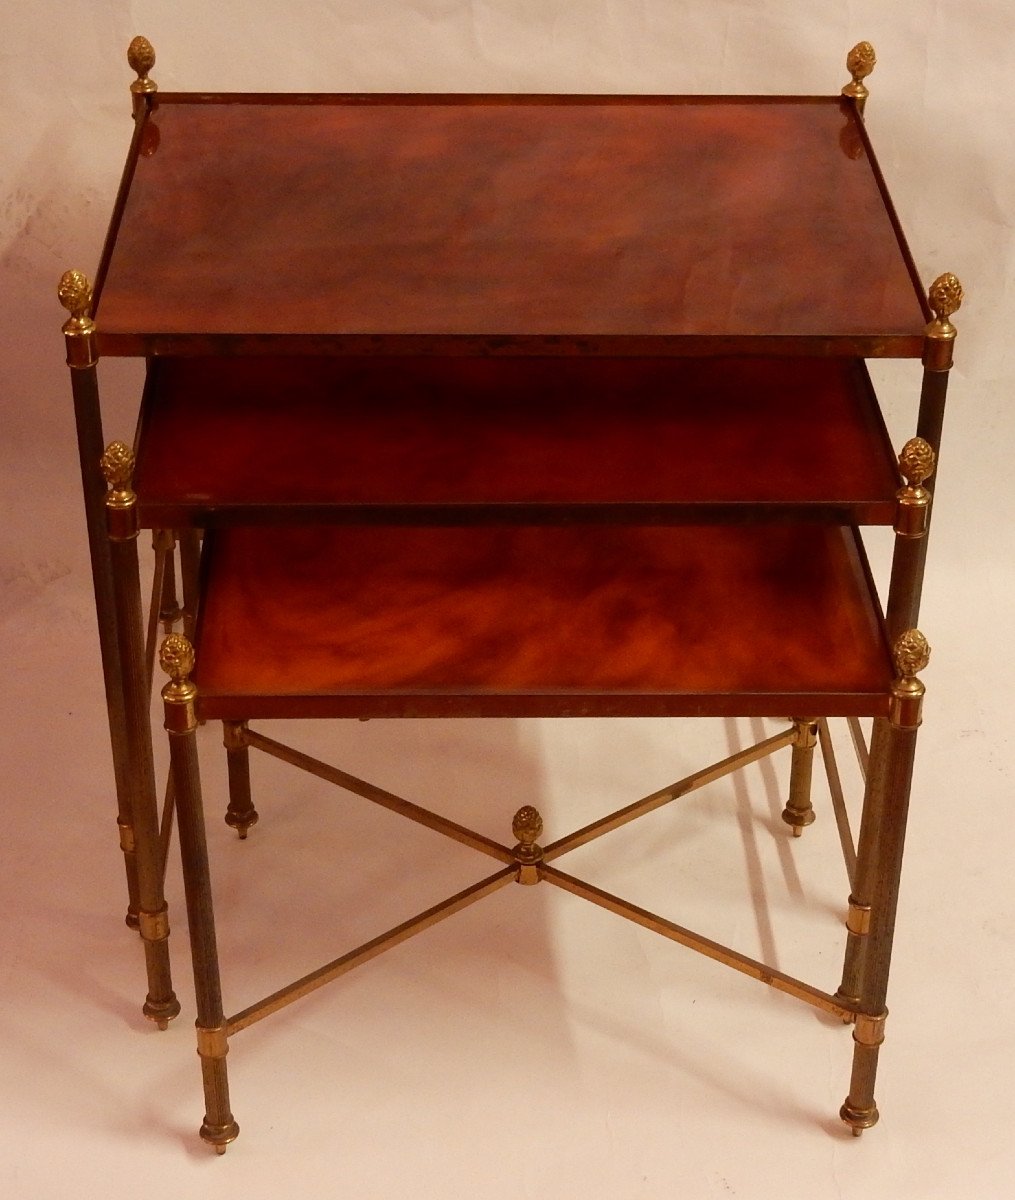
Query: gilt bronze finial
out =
(860, 61)
(527, 826)
(917, 461)
(946, 296)
(911, 653)
(118, 466)
(916, 465)
(75, 293)
(176, 657)
(141, 57)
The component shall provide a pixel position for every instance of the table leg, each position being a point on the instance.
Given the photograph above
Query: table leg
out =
(799, 813)
(79, 335)
(879, 869)
(177, 657)
(241, 814)
(161, 1004)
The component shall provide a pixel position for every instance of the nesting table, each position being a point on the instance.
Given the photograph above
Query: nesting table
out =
(496, 406)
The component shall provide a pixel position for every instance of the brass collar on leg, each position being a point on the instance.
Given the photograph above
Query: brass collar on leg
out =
(858, 920)
(870, 1031)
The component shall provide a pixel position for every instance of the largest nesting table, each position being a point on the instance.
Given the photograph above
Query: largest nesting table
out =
(487, 405)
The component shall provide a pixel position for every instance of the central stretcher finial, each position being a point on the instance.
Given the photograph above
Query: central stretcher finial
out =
(527, 826)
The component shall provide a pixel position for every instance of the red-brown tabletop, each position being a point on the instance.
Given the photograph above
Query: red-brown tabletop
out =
(539, 621)
(600, 225)
(456, 439)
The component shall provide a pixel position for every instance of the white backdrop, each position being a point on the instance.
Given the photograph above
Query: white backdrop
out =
(942, 123)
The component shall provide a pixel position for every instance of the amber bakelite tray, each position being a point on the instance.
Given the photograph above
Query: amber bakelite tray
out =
(583, 620)
(505, 224)
(466, 439)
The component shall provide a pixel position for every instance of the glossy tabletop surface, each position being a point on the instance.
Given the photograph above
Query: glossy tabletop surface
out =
(506, 225)
(539, 621)
(493, 439)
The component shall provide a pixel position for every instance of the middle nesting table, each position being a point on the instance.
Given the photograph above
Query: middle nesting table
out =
(451, 440)
(617, 536)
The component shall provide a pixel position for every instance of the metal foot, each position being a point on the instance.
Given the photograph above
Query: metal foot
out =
(242, 822)
(220, 1136)
(859, 1119)
(160, 1013)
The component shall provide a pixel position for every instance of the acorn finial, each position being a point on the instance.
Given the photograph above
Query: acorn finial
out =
(75, 293)
(917, 461)
(911, 653)
(176, 657)
(946, 296)
(117, 465)
(527, 825)
(860, 61)
(141, 56)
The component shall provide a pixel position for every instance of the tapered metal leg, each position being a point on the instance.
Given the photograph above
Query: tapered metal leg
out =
(879, 867)
(857, 929)
(161, 1004)
(858, 917)
(916, 464)
(219, 1128)
(241, 814)
(190, 563)
(799, 813)
(872, 906)
(79, 334)
(169, 604)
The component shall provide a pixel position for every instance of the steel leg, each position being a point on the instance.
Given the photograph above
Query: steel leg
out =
(879, 868)
(177, 657)
(241, 814)
(161, 1004)
(799, 813)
